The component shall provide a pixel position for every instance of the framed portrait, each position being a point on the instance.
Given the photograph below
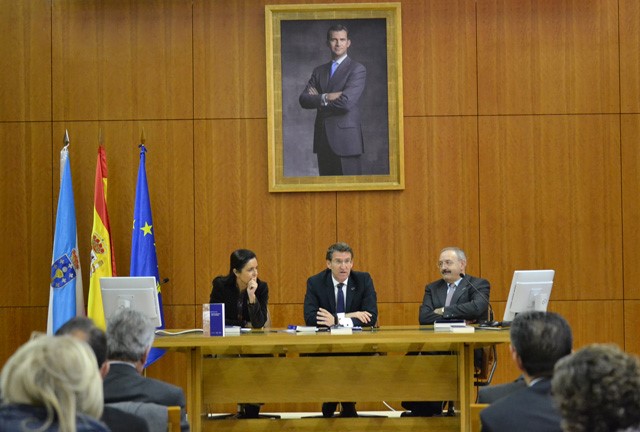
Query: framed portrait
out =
(334, 97)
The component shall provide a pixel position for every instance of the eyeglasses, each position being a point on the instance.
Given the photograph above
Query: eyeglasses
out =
(340, 262)
(447, 262)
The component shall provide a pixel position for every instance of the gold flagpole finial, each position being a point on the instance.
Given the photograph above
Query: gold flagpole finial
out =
(100, 139)
(65, 141)
(143, 138)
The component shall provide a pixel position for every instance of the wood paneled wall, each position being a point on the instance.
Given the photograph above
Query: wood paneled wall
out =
(522, 124)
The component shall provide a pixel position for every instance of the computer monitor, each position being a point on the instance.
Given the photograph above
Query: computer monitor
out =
(530, 291)
(135, 292)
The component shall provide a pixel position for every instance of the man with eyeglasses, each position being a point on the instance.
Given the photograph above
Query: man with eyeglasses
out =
(456, 295)
(340, 296)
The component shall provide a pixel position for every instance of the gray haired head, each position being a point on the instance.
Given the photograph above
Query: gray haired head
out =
(129, 335)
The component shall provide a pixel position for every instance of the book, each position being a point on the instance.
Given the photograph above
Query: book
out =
(213, 319)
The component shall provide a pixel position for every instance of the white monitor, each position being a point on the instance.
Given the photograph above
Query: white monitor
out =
(530, 291)
(135, 292)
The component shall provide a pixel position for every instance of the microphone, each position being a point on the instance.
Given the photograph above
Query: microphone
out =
(163, 281)
(481, 295)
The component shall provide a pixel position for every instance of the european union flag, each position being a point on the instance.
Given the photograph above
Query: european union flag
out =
(144, 261)
(65, 290)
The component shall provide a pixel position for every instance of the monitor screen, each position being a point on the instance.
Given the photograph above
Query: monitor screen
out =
(135, 292)
(530, 291)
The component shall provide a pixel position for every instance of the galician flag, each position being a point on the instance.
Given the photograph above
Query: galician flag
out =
(65, 292)
(103, 261)
(144, 261)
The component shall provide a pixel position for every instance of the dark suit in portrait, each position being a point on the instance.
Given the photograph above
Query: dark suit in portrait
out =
(337, 136)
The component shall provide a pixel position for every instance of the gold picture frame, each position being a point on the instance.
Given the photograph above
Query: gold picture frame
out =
(295, 44)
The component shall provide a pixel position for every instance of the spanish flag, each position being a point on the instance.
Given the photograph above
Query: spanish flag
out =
(103, 262)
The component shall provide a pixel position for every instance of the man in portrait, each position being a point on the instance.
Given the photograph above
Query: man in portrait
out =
(334, 90)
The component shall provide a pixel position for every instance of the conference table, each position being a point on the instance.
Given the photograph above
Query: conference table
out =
(369, 365)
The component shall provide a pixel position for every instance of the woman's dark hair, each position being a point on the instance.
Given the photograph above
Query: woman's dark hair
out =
(238, 259)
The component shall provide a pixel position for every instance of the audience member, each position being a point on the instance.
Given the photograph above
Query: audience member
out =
(246, 301)
(340, 296)
(490, 394)
(51, 384)
(130, 335)
(597, 389)
(538, 341)
(84, 329)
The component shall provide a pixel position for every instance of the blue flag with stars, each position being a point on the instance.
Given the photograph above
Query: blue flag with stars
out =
(144, 261)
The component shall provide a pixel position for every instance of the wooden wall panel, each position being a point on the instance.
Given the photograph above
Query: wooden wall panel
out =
(288, 232)
(18, 324)
(629, 55)
(439, 47)
(26, 212)
(548, 56)
(630, 131)
(548, 200)
(397, 236)
(169, 157)
(229, 59)
(631, 339)
(25, 60)
(122, 60)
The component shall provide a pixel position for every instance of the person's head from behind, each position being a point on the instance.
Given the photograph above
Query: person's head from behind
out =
(243, 267)
(84, 329)
(597, 389)
(451, 263)
(338, 40)
(538, 341)
(57, 373)
(130, 335)
(340, 261)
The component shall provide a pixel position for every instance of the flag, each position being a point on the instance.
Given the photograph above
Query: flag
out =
(144, 261)
(103, 261)
(65, 291)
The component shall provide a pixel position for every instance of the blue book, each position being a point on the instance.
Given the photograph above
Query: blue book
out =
(213, 319)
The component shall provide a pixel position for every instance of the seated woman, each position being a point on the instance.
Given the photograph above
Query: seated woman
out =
(245, 299)
(52, 384)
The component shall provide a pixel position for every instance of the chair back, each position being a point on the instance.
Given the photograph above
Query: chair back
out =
(173, 415)
(476, 424)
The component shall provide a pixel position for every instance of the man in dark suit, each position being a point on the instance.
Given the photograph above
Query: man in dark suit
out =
(538, 341)
(340, 296)
(130, 335)
(84, 329)
(456, 295)
(490, 394)
(334, 90)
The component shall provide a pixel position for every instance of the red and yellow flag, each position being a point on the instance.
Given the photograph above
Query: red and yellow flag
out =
(103, 262)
